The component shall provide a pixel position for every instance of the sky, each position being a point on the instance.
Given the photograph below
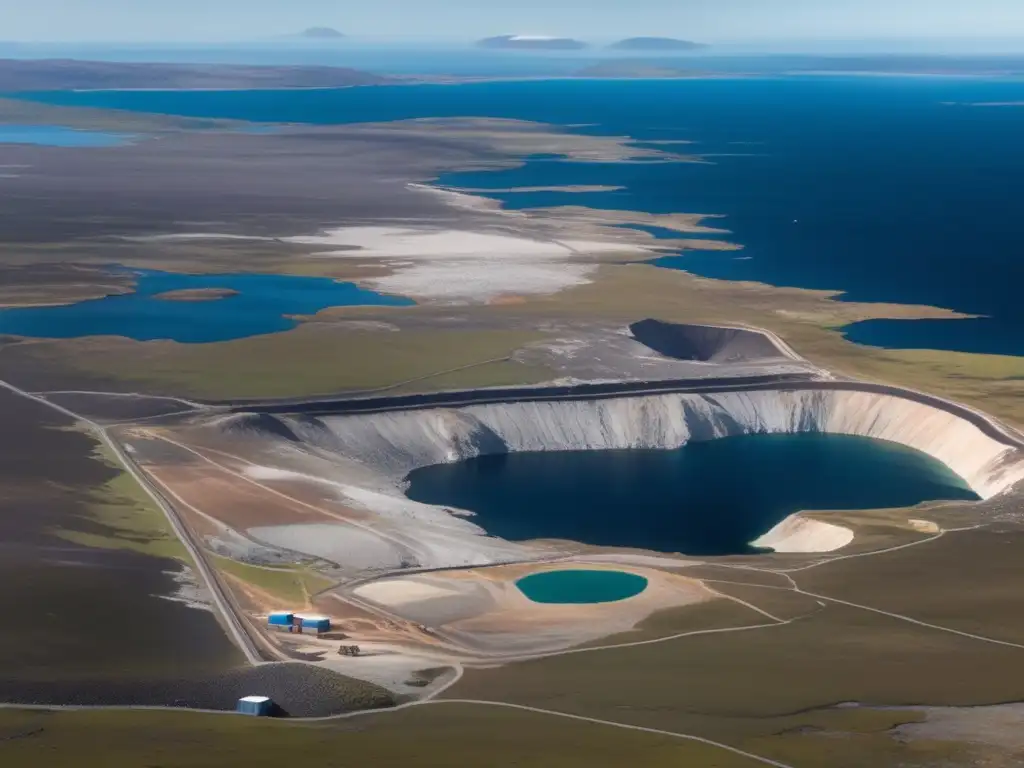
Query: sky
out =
(704, 20)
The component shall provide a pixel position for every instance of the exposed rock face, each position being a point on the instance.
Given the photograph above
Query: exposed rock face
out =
(393, 444)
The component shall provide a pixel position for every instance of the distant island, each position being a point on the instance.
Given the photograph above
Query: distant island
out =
(197, 294)
(532, 43)
(65, 74)
(656, 44)
(320, 33)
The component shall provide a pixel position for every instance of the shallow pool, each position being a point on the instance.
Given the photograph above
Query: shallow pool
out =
(59, 136)
(581, 586)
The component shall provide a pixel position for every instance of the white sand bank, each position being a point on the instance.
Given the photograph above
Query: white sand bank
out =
(396, 592)
(400, 531)
(798, 534)
(453, 265)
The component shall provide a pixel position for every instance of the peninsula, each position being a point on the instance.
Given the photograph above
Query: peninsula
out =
(197, 294)
(74, 74)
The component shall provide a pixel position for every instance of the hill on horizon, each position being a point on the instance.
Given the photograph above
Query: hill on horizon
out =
(657, 44)
(320, 33)
(532, 43)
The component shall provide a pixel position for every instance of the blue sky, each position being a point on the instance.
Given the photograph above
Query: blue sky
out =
(709, 20)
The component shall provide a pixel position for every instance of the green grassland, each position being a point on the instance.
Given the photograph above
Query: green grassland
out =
(728, 684)
(123, 516)
(713, 614)
(967, 581)
(782, 604)
(312, 359)
(456, 736)
(292, 585)
(444, 736)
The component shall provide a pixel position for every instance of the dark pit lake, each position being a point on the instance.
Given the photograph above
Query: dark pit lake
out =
(255, 304)
(894, 189)
(708, 498)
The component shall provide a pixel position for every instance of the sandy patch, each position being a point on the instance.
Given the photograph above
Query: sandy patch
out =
(798, 534)
(416, 534)
(997, 726)
(397, 592)
(484, 611)
(925, 526)
(229, 500)
(353, 549)
(458, 266)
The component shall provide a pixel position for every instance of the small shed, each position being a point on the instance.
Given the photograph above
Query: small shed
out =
(258, 706)
(281, 619)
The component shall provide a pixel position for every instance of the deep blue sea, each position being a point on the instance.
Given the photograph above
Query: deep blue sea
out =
(263, 304)
(897, 189)
(710, 498)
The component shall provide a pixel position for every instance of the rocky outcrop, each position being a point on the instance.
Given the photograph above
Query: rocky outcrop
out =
(393, 444)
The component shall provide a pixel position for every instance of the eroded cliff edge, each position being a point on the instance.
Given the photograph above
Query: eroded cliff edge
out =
(393, 444)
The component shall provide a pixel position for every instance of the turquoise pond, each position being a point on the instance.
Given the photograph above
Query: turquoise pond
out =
(59, 136)
(580, 586)
(263, 304)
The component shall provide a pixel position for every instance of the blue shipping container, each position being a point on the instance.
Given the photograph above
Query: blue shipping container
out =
(280, 619)
(318, 623)
(259, 706)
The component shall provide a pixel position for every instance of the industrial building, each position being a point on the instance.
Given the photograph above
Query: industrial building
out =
(286, 621)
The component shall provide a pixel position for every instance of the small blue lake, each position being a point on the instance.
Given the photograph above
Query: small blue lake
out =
(580, 586)
(263, 304)
(59, 136)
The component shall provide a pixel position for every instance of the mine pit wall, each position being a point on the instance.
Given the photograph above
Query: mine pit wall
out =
(395, 443)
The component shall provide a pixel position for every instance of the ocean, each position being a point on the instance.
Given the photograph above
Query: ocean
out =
(886, 189)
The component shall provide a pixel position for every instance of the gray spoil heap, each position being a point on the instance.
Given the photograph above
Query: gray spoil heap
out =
(705, 343)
